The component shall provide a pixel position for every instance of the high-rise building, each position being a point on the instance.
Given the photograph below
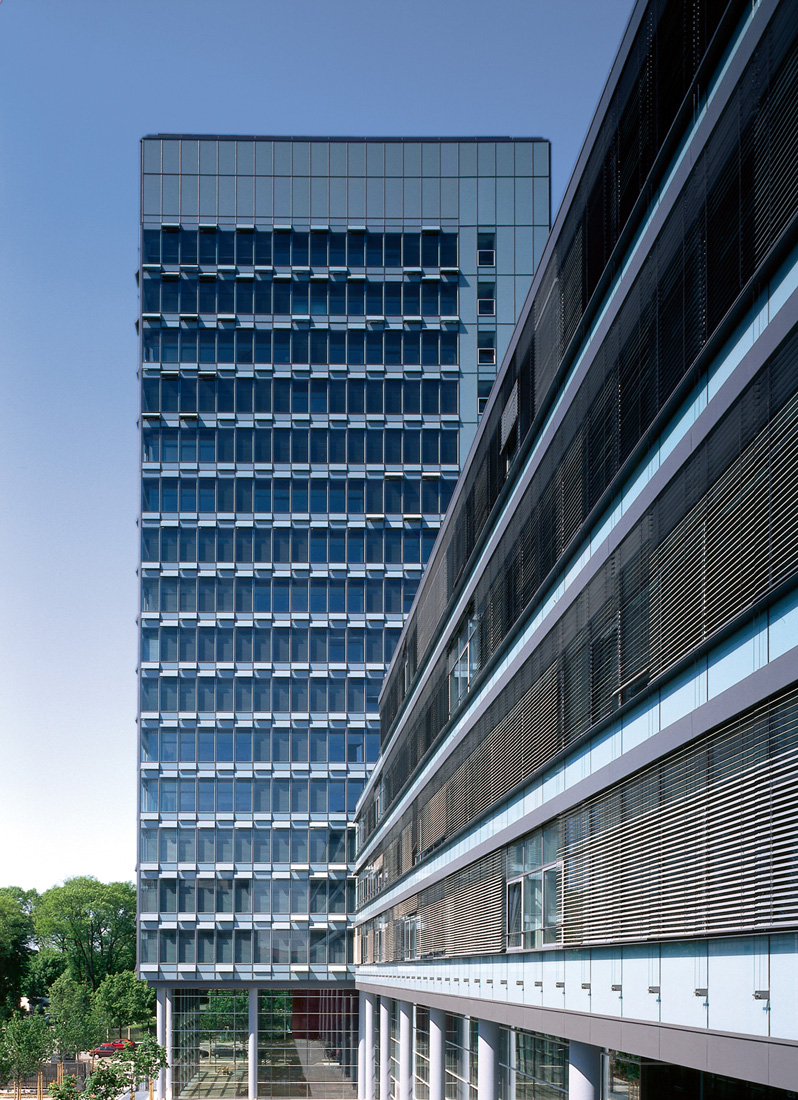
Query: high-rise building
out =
(320, 323)
(577, 854)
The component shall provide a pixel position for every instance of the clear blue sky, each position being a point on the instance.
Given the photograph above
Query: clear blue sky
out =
(80, 83)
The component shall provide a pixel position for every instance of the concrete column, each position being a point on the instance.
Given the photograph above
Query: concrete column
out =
(252, 1048)
(487, 1060)
(385, 1048)
(406, 1090)
(368, 1085)
(169, 1044)
(160, 1031)
(584, 1071)
(437, 1054)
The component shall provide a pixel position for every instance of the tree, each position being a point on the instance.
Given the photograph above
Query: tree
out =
(44, 966)
(122, 999)
(26, 1042)
(76, 1024)
(16, 930)
(93, 924)
(124, 1070)
(143, 1060)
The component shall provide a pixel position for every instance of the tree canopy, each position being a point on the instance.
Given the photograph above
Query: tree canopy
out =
(16, 931)
(76, 1023)
(44, 966)
(92, 924)
(121, 1073)
(123, 999)
(26, 1042)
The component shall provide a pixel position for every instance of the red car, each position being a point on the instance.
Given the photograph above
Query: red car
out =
(105, 1050)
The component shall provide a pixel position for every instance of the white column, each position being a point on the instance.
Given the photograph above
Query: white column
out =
(464, 1056)
(584, 1071)
(405, 1051)
(437, 1054)
(512, 1054)
(368, 1084)
(385, 1048)
(487, 1060)
(169, 1044)
(160, 1031)
(361, 1046)
(252, 1048)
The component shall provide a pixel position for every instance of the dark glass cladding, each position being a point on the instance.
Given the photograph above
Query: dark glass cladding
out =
(293, 248)
(342, 396)
(666, 320)
(718, 540)
(195, 344)
(668, 51)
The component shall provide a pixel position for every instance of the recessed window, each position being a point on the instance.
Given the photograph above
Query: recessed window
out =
(486, 249)
(486, 347)
(486, 299)
(534, 890)
(463, 659)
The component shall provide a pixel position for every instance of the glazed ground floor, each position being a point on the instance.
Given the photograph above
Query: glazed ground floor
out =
(332, 1043)
(228, 1042)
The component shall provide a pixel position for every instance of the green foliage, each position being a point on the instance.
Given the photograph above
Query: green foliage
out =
(109, 1080)
(124, 1070)
(66, 1090)
(92, 924)
(76, 1023)
(26, 1042)
(44, 966)
(144, 1060)
(225, 1013)
(16, 931)
(122, 999)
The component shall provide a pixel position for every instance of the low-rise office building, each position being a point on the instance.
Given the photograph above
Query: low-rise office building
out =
(580, 837)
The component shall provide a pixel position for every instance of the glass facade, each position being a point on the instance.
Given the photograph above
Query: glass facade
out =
(307, 1043)
(209, 1053)
(315, 318)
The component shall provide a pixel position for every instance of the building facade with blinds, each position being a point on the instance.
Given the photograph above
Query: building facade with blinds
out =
(580, 838)
(320, 323)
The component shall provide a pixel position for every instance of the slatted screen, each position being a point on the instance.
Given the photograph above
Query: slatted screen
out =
(701, 843)
(701, 557)
(666, 320)
(462, 914)
(676, 41)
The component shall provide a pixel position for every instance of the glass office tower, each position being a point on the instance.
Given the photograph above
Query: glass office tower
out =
(320, 326)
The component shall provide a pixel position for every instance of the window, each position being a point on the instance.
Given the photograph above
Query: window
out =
(484, 386)
(380, 800)
(486, 249)
(410, 937)
(463, 659)
(486, 348)
(486, 299)
(534, 878)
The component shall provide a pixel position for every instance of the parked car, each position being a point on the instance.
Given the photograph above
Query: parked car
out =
(105, 1050)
